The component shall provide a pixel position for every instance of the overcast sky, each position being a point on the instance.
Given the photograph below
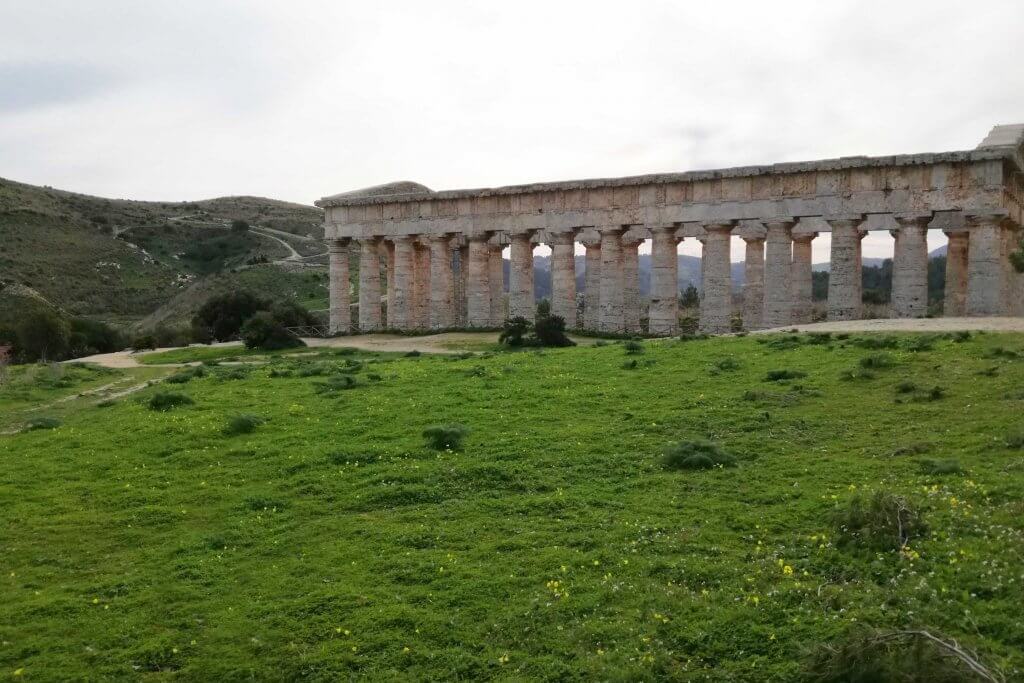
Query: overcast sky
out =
(295, 100)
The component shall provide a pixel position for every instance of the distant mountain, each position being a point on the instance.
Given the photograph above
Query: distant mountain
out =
(120, 260)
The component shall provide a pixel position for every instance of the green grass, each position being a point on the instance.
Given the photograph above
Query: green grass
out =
(193, 354)
(330, 543)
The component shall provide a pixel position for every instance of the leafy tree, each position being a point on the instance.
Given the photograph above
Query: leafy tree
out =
(264, 331)
(690, 298)
(292, 314)
(223, 315)
(549, 329)
(42, 335)
(92, 336)
(238, 225)
(514, 331)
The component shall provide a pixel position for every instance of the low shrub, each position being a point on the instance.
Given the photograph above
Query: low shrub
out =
(233, 373)
(166, 400)
(1000, 352)
(106, 403)
(877, 361)
(186, 375)
(884, 521)
(906, 387)
(726, 365)
(912, 449)
(42, 423)
(783, 375)
(688, 337)
(242, 424)
(961, 336)
(336, 383)
(696, 455)
(876, 343)
(413, 354)
(920, 342)
(865, 655)
(1015, 439)
(631, 364)
(989, 372)
(633, 347)
(445, 437)
(936, 393)
(783, 342)
(936, 467)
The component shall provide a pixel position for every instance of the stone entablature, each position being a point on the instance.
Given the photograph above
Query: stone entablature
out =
(780, 206)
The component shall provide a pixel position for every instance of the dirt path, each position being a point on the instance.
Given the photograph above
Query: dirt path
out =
(909, 325)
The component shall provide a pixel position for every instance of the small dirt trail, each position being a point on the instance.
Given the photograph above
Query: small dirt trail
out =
(909, 325)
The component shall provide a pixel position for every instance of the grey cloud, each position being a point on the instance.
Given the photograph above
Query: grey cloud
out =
(30, 85)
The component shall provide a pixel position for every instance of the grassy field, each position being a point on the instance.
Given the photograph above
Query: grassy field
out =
(329, 542)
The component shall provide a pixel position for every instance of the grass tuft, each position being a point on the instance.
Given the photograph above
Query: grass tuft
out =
(242, 424)
(445, 437)
(883, 521)
(696, 455)
(166, 400)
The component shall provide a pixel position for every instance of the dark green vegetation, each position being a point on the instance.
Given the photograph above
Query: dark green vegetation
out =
(546, 329)
(331, 542)
(119, 261)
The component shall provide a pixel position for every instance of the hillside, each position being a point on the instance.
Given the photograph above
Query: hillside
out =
(120, 260)
(323, 540)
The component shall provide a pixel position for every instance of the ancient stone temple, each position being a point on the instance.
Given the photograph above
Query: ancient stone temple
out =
(441, 252)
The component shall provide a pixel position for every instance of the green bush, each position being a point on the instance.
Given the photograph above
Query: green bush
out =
(42, 423)
(336, 383)
(783, 375)
(549, 330)
(920, 342)
(936, 467)
(223, 315)
(726, 365)
(884, 521)
(413, 354)
(865, 655)
(514, 331)
(445, 437)
(242, 424)
(1015, 439)
(264, 331)
(877, 361)
(186, 375)
(906, 387)
(633, 347)
(166, 400)
(696, 455)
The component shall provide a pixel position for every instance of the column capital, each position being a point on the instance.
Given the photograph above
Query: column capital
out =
(480, 236)
(611, 229)
(955, 232)
(847, 220)
(752, 239)
(337, 246)
(784, 222)
(719, 225)
(1000, 217)
(913, 219)
(369, 239)
(562, 238)
(804, 236)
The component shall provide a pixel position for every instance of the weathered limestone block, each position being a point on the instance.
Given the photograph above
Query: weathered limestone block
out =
(663, 315)
(520, 277)
(340, 318)
(753, 285)
(844, 284)
(478, 285)
(986, 267)
(563, 278)
(910, 266)
(401, 311)
(630, 285)
(955, 304)
(778, 266)
(462, 287)
(421, 288)
(612, 284)
(801, 279)
(441, 289)
(388, 251)
(369, 284)
(592, 286)
(496, 279)
(716, 306)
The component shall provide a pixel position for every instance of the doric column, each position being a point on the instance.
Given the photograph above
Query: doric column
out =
(563, 277)
(401, 311)
(630, 285)
(663, 314)
(802, 279)
(520, 277)
(611, 318)
(442, 313)
(716, 307)
(844, 282)
(955, 304)
(910, 266)
(422, 287)
(369, 284)
(340, 318)
(778, 264)
(987, 268)
(496, 279)
(753, 283)
(592, 286)
(388, 250)
(462, 287)
(478, 282)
